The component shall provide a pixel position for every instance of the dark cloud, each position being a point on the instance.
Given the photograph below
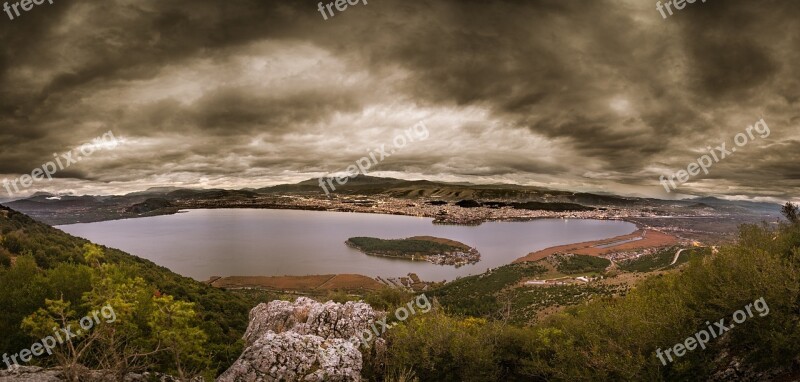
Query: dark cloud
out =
(251, 92)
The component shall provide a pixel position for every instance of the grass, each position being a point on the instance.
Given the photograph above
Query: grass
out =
(649, 263)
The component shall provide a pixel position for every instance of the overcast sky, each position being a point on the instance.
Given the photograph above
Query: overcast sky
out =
(575, 95)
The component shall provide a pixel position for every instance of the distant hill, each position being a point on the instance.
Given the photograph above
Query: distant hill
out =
(155, 191)
(360, 180)
(148, 205)
(757, 207)
(70, 209)
(361, 183)
(44, 201)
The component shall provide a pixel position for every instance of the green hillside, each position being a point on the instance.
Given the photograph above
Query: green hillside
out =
(480, 331)
(470, 338)
(50, 264)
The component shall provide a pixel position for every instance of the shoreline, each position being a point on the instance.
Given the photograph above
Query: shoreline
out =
(444, 214)
(309, 283)
(649, 238)
(476, 222)
(298, 283)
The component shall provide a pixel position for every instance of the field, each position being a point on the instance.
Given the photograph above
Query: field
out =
(302, 284)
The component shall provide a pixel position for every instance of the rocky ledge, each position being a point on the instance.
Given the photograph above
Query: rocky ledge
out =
(38, 374)
(285, 341)
(304, 341)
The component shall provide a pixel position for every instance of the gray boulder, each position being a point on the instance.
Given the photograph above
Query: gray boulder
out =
(303, 341)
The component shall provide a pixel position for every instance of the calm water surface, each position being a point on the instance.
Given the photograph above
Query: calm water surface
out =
(262, 242)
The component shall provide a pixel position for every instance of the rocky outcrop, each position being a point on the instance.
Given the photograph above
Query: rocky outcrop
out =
(30, 374)
(38, 374)
(734, 368)
(304, 341)
(285, 341)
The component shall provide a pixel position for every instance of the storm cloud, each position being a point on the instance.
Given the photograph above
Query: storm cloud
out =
(577, 95)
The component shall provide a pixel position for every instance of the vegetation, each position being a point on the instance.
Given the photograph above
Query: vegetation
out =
(791, 212)
(177, 325)
(649, 263)
(689, 254)
(616, 338)
(401, 247)
(499, 294)
(443, 348)
(526, 303)
(468, 203)
(662, 260)
(56, 275)
(140, 325)
(478, 295)
(576, 264)
(149, 205)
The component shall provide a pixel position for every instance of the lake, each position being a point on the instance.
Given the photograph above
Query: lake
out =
(264, 242)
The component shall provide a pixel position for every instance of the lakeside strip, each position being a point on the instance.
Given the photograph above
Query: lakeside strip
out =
(644, 238)
(299, 283)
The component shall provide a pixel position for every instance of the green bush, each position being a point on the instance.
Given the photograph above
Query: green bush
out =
(5, 258)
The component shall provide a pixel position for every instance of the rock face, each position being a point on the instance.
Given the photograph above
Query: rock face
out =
(30, 374)
(733, 368)
(38, 374)
(303, 341)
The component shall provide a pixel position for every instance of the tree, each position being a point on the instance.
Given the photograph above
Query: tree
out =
(132, 323)
(12, 243)
(5, 258)
(59, 314)
(172, 324)
(126, 342)
(791, 212)
(21, 293)
(93, 254)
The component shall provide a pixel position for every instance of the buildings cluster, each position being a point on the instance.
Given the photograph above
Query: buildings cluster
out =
(441, 213)
(457, 258)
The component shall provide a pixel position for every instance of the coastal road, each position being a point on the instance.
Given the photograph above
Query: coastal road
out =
(677, 254)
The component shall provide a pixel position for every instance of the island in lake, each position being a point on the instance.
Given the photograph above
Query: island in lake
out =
(418, 248)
